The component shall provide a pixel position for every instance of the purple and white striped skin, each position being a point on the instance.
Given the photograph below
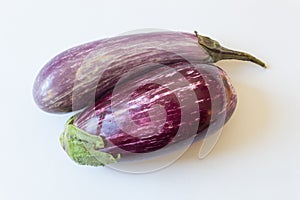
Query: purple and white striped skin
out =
(74, 78)
(78, 76)
(124, 120)
(152, 128)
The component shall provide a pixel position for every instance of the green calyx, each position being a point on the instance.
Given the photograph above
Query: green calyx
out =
(217, 52)
(84, 148)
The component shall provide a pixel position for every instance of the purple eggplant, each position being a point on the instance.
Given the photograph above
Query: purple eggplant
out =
(161, 108)
(78, 76)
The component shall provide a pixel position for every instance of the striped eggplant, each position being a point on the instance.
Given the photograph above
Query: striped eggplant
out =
(150, 112)
(78, 76)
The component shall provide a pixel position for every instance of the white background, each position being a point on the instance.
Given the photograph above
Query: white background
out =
(258, 154)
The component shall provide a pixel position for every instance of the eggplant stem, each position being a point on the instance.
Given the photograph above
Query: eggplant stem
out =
(84, 148)
(217, 52)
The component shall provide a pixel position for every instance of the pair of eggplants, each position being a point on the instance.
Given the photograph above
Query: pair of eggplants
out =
(139, 93)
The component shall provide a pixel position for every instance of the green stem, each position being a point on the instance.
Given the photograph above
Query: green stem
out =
(217, 52)
(84, 148)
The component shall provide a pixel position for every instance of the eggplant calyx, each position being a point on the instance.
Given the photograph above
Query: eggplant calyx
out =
(83, 147)
(217, 52)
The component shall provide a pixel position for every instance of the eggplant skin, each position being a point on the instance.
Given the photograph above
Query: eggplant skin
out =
(145, 114)
(74, 78)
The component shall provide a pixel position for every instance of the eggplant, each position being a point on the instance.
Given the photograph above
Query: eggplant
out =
(158, 109)
(76, 77)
